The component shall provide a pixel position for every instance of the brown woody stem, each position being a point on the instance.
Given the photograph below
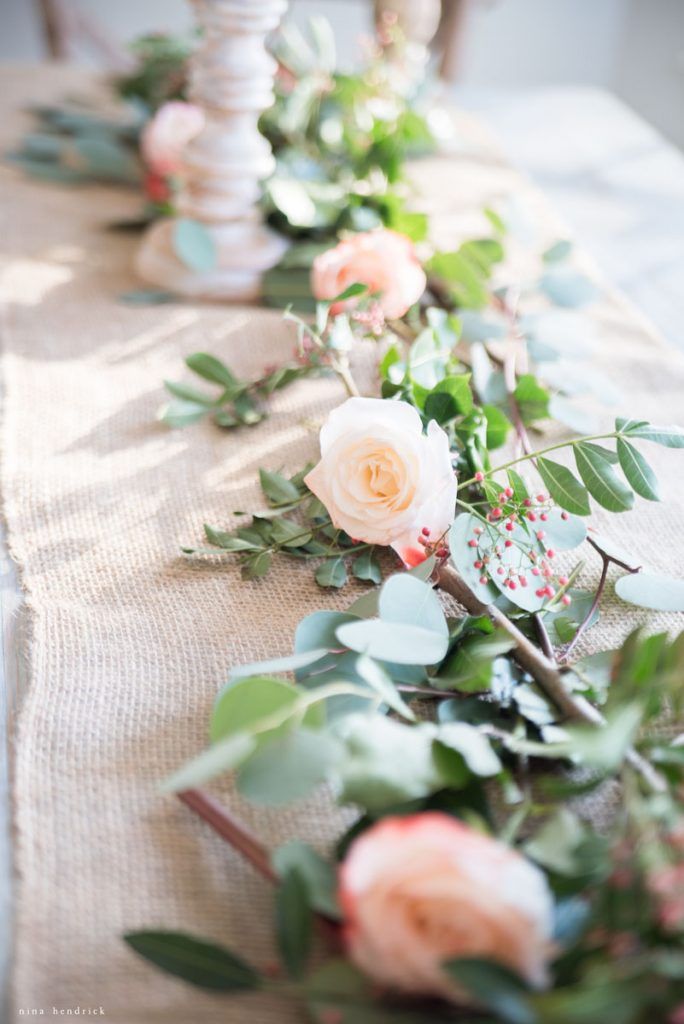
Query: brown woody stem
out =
(545, 673)
(229, 828)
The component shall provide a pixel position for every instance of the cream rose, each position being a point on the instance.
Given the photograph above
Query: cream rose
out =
(166, 135)
(384, 260)
(421, 890)
(382, 479)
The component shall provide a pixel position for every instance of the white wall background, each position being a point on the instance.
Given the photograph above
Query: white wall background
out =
(632, 47)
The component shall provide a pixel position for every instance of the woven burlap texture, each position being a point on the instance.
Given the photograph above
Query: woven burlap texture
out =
(128, 642)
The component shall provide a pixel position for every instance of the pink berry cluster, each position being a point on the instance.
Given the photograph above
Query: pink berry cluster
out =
(534, 566)
(432, 546)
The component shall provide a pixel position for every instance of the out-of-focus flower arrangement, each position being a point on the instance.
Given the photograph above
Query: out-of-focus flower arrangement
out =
(340, 142)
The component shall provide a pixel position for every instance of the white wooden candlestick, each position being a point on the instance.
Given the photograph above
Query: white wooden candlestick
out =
(231, 78)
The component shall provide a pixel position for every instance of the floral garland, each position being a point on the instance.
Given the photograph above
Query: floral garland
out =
(471, 887)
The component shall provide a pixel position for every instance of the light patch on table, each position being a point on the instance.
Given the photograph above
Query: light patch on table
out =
(27, 282)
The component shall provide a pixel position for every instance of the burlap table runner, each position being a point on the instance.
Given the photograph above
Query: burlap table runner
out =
(128, 643)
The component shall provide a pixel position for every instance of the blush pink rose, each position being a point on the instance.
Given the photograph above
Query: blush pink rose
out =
(384, 481)
(383, 260)
(166, 135)
(421, 890)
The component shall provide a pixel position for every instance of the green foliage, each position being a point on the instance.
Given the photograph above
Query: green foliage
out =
(200, 963)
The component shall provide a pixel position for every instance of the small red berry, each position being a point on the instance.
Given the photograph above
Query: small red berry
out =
(479, 477)
(500, 571)
(550, 591)
(541, 592)
(540, 535)
(523, 581)
(527, 502)
(550, 553)
(535, 571)
(563, 580)
(471, 543)
(496, 513)
(512, 585)
(509, 492)
(425, 531)
(510, 527)
(566, 599)
(442, 552)
(477, 565)
(483, 580)
(565, 515)
(531, 516)
(543, 517)
(541, 497)
(508, 544)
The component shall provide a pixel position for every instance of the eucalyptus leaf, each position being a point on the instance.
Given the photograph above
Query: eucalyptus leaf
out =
(288, 768)
(294, 922)
(408, 600)
(318, 874)
(194, 245)
(647, 590)
(394, 641)
(331, 573)
(221, 757)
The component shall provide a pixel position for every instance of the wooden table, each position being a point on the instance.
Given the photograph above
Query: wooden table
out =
(620, 187)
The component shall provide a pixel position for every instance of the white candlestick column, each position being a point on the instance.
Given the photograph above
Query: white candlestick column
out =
(231, 79)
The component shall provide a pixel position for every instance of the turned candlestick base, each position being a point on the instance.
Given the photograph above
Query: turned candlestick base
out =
(231, 79)
(244, 252)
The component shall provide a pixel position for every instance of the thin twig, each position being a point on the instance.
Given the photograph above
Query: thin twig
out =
(543, 636)
(229, 828)
(431, 691)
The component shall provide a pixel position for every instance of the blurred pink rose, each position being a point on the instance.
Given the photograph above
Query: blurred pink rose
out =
(420, 890)
(167, 134)
(384, 260)
(383, 480)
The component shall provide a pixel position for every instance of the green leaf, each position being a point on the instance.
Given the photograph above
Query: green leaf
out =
(288, 663)
(532, 399)
(563, 487)
(318, 874)
(670, 437)
(289, 767)
(193, 245)
(498, 426)
(366, 567)
(294, 923)
(246, 702)
(406, 599)
(463, 556)
(637, 471)
(469, 669)
(219, 758)
(211, 368)
(449, 398)
(554, 844)
(558, 252)
(394, 641)
(567, 287)
(228, 541)
(277, 488)
(195, 961)
(648, 590)
(182, 413)
(289, 533)
(377, 678)
(601, 480)
(332, 573)
(257, 565)
(494, 986)
(187, 392)
(472, 745)
(147, 297)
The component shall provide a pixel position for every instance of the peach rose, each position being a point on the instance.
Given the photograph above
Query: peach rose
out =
(384, 260)
(382, 479)
(421, 890)
(167, 134)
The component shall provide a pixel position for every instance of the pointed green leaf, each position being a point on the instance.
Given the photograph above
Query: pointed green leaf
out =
(366, 567)
(564, 488)
(671, 436)
(277, 488)
(211, 368)
(332, 573)
(195, 961)
(294, 923)
(637, 470)
(601, 480)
